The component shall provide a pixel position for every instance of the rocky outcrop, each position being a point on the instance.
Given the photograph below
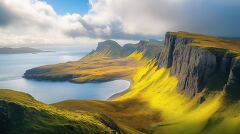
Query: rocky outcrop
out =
(232, 88)
(108, 47)
(150, 48)
(166, 56)
(194, 65)
(129, 48)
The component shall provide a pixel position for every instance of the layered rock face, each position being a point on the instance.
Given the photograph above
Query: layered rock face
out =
(194, 66)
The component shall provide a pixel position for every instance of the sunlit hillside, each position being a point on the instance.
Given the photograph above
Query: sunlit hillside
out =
(154, 97)
(26, 115)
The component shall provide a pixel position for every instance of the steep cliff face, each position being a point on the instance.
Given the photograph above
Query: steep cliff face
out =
(232, 87)
(195, 65)
(166, 55)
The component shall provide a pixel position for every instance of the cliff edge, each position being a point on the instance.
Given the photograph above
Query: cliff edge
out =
(196, 59)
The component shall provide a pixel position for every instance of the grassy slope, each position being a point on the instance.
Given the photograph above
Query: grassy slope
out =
(156, 107)
(90, 69)
(153, 105)
(20, 113)
(232, 46)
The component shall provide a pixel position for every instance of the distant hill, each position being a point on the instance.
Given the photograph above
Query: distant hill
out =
(8, 50)
(111, 48)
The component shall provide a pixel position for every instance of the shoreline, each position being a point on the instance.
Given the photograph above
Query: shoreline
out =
(120, 93)
(110, 98)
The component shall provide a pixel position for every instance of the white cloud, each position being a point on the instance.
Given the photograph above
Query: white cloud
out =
(36, 22)
(155, 17)
(28, 22)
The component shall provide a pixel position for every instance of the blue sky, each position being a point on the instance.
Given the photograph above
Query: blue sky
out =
(69, 6)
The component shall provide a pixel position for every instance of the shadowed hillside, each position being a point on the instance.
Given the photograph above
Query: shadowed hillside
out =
(21, 113)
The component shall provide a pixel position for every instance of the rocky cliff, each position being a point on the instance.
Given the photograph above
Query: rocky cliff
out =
(150, 48)
(195, 65)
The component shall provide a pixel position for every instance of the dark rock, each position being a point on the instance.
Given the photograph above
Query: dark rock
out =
(232, 88)
(226, 64)
(201, 100)
(166, 56)
(194, 66)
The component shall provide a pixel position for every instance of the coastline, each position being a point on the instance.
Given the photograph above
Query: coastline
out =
(110, 98)
(121, 93)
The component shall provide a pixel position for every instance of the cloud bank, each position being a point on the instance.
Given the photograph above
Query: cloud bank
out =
(36, 22)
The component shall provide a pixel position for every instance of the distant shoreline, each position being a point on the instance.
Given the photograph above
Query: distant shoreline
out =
(20, 50)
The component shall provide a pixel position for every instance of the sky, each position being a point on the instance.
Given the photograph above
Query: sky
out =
(69, 6)
(86, 22)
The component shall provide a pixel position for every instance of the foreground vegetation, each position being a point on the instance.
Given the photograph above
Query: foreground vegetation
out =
(21, 113)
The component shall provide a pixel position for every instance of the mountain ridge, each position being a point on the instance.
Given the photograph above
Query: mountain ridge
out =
(111, 48)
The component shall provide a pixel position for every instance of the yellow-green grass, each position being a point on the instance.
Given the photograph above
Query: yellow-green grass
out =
(232, 46)
(91, 69)
(21, 113)
(132, 114)
(153, 105)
